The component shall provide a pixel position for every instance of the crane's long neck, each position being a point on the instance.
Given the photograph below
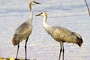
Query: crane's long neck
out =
(31, 15)
(45, 25)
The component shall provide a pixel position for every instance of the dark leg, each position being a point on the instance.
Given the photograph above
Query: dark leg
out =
(63, 52)
(61, 45)
(60, 53)
(17, 51)
(26, 49)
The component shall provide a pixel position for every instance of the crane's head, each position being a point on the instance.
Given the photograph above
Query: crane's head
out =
(42, 14)
(33, 3)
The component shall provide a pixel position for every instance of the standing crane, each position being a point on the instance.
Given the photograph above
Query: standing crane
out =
(61, 34)
(24, 30)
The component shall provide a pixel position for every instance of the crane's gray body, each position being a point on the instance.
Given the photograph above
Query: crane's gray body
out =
(61, 34)
(22, 32)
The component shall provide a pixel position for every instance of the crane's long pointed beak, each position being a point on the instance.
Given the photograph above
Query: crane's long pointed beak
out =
(37, 3)
(38, 14)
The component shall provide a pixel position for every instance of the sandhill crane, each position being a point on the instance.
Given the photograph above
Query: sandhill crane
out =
(24, 30)
(61, 34)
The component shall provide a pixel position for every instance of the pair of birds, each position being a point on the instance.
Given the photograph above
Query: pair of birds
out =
(60, 34)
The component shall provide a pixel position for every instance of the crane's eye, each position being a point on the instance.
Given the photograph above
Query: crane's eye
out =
(34, 2)
(41, 13)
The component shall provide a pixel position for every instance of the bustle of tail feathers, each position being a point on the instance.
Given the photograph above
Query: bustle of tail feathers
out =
(15, 42)
(79, 39)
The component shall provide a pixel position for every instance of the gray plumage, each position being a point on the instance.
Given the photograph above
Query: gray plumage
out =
(61, 34)
(64, 35)
(22, 32)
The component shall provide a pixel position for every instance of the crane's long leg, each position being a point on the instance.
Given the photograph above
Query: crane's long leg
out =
(61, 45)
(17, 51)
(60, 53)
(63, 52)
(26, 49)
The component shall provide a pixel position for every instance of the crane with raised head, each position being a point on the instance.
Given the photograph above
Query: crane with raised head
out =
(24, 30)
(61, 34)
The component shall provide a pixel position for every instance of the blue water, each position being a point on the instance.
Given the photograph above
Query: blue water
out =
(66, 13)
